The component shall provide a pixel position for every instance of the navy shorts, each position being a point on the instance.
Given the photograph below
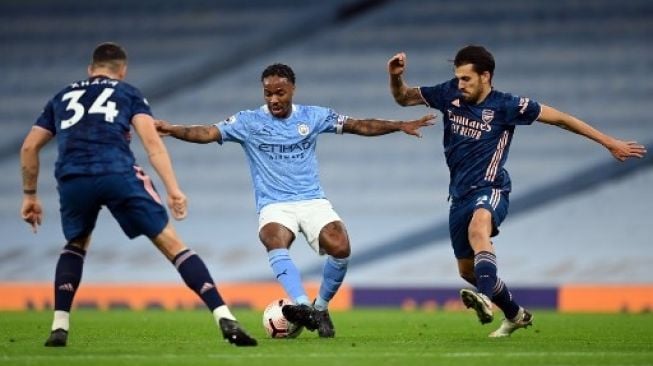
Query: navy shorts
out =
(130, 197)
(460, 215)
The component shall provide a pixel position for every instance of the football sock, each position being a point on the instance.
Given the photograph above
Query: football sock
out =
(222, 311)
(287, 274)
(67, 277)
(503, 298)
(196, 276)
(61, 320)
(332, 277)
(485, 270)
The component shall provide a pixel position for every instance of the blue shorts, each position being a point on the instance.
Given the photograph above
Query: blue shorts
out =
(130, 197)
(460, 215)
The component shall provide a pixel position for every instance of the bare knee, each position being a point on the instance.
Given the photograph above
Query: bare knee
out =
(334, 240)
(275, 236)
(81, 242)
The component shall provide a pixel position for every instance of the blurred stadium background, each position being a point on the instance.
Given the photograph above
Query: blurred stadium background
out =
(577, 216)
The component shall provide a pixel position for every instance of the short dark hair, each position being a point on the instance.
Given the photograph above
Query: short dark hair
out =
(280, 70)
(108, 54)
(481, 59)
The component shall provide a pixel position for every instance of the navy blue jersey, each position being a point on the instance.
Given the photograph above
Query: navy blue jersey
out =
(477, 136)
(91, 120)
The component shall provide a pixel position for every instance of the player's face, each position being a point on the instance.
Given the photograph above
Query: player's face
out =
(472, 86)
(278, 92)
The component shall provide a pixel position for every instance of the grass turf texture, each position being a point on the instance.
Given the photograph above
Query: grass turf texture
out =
(363, 337)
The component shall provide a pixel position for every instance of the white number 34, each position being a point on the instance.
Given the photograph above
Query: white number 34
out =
(101, 105)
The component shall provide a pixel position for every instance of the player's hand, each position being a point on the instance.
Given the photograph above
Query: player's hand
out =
(162, 127)
(397, 64)
(412, 127)
(623, 150)
(178, 204)
(31, 211)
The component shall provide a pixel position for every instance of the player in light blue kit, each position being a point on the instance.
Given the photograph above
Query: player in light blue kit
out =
(479, 123)
(279, 140)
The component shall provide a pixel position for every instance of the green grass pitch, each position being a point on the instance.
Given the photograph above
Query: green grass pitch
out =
(364, 337)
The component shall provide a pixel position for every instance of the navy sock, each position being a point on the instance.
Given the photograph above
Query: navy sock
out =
(503, 298)
(68, 276)
(485, 270)
(196, 276)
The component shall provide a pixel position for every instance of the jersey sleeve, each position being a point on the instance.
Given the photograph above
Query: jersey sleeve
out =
(521, 110)
(139, 104)
(435, 96)
(46, 119)
(332, 122)
(233, 128)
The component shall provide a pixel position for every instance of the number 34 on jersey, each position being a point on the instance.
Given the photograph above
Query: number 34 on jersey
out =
(101, 104)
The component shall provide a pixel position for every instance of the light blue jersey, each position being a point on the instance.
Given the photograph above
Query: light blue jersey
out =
(281, 152)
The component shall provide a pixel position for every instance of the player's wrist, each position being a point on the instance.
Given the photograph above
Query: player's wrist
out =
(29, 192)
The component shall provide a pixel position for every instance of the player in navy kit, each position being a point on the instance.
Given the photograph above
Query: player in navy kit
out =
(479, 123)
(279, 140)
(91, 120)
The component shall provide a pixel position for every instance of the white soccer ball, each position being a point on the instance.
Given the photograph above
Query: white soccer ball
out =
(275, 324)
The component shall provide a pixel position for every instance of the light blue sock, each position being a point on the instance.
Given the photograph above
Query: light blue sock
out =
(332, 277)
(287, 274)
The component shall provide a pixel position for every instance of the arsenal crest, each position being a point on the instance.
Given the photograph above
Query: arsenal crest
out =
(487, 115)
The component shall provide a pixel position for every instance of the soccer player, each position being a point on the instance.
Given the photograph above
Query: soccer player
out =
(279, 140)
(92, 119)
(479, 123)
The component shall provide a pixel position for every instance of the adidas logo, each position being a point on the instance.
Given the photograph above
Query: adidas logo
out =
(205, 287)
(66, 287)
(456, 102)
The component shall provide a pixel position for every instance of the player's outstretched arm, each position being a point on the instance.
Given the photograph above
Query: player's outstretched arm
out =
(160, 160)
(31, 210)
(195, 133)
(376, 127)
(621, 150)
(404, 95)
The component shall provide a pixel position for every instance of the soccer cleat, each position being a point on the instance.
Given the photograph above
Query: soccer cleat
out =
(480, 303)
(524, 319)
(325, 327)
(233, 333)
(302, 314)
(57, 338)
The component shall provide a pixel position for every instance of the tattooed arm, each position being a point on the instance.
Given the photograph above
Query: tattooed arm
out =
(376, 127)
(200, 134)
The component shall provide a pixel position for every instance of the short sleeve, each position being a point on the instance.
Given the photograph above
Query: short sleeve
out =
(435, 96)
(233, 128)
(333, 122)
(46, 119)
(521, 110)
(139, 104)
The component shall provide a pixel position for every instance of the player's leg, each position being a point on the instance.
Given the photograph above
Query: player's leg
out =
(197, 277)
(489, 212)
(132, 200)
(79, 210)
(326, 233)
(334, 241)
(277, 230)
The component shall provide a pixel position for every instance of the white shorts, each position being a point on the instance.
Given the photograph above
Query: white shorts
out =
(308, 216)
